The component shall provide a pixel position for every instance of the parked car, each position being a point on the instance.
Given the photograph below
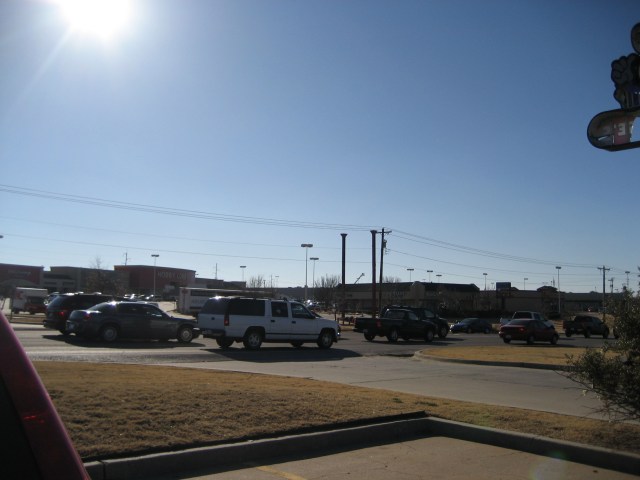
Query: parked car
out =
(528, 330)
(34, 439)
(587, 325)
(253, 321)
(112, 320)
(472, 325)
(60, 307)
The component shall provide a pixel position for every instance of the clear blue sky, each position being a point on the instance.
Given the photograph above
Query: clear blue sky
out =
(226, 133)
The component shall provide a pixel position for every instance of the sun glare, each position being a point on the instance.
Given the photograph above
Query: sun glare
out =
(103, 18)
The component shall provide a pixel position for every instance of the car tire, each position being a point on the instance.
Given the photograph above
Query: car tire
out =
(486, 330)
(587, 333)
(253, 339)
(185, 334)
(605, 333)
(568, 333)
(369, 336)
(392, 336)
(443, 332)
(224, 342)
(109, 333)
(506, 340)
(554, 339)
(325, 340)
(468, 330)
(530, 340)
(296, 344)
(429, 335)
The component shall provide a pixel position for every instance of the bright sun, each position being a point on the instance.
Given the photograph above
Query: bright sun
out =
(103, 18)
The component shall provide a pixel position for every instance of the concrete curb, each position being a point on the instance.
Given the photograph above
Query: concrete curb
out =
(313, 444)
(540, 366)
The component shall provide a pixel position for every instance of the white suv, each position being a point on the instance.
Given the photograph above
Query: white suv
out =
(257, 320)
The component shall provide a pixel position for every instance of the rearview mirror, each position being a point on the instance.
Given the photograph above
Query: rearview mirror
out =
(613, 130)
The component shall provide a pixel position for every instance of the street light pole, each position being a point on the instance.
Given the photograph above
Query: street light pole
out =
(429, 272)
(410, 270)
(155, 258)
(558, 268)
(306, 246)
(485, 281)
(525, 283)
(313, 278)
(242, 267)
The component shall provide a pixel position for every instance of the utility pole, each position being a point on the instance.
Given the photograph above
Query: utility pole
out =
(344, 274)
(373, 273)
(383, 246)
(604, 273)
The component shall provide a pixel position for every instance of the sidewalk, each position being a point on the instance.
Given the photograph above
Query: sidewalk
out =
(401, 449)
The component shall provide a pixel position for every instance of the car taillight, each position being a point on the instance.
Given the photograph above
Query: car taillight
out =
(62, 313)
(226, 319)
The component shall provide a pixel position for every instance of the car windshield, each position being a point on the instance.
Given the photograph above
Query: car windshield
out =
(360, 155)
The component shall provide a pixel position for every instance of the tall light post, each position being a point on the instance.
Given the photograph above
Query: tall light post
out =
(306, 247)
(438, 275)
(485, 281)
(155, 258)
(524, 285)
(242, 267)
(313, 277)
(429, 272)
(410, 270)
(558, 268)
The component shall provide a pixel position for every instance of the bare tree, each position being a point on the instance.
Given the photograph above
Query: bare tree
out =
(101, 280)
(257, 282)
(326, 289)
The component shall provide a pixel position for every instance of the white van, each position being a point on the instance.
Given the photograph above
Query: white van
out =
(256, 320)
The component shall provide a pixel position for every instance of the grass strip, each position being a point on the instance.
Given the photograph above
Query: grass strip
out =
(114, 410)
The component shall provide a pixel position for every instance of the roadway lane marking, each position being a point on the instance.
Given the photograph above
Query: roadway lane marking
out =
(279, 473)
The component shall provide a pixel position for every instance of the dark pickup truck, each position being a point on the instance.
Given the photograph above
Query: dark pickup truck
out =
(587, 325)
(394, 324)
(442, 326)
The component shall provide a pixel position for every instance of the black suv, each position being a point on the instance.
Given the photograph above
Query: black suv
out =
(442, 326)
(60, 307)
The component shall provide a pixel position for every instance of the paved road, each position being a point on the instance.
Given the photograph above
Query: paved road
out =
(352, 361)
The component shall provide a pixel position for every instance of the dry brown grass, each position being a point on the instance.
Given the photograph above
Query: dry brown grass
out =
(114, 410)
(539, 353)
